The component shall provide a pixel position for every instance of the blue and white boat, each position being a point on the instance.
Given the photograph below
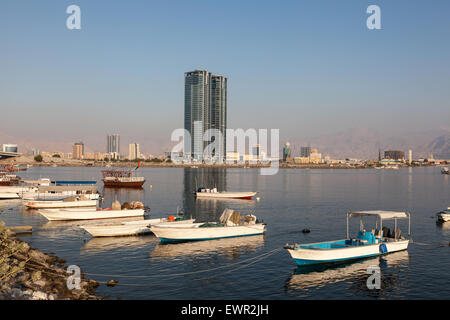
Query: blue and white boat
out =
(367, 243)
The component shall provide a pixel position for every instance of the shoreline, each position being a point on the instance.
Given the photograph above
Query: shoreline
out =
(29, 274)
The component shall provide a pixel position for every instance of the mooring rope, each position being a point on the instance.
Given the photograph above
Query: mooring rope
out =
(257, 258)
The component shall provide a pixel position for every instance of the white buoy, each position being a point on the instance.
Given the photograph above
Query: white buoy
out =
(257, 198)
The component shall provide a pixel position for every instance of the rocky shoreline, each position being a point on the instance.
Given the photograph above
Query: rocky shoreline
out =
(28, 274)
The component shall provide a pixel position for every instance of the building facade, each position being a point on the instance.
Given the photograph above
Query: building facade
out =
(78, 151)
(205, 108)
(10, 148)
(113, 143)
(394, 154)
(133, 151)
(305, 152)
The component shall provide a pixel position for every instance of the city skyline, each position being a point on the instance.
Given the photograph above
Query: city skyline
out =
(309, 69)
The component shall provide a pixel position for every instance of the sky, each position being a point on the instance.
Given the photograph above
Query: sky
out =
(305, 67)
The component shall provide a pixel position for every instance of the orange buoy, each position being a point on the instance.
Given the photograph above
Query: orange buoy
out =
(171, 218)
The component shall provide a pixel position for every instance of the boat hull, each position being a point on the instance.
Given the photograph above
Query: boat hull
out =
(60, 204)
(68, 215)
(122, 184)
(303, 256)
(194, 233)
(130, 228)
(8, 195)
(443, 217)
(226, 195)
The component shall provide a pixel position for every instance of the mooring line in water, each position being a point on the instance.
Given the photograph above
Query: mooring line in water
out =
(179, 274)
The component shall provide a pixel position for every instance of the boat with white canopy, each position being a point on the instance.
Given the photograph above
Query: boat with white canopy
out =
(89, 214)
(378, 241)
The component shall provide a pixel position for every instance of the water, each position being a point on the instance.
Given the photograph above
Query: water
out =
(290, 201)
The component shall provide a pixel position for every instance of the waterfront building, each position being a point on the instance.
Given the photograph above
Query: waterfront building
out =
(205, 108)
(10, 148)
(410, 156)
(305, 152)
(286, 151)
(78, 150)
(394, 154)
(133, 151)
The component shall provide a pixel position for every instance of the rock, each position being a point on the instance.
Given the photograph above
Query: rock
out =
(94, 283)
(126, 206)
(16, 293)
(39, 295)
(112, 283)
(51, 297)
(306, 230)
(40, 283)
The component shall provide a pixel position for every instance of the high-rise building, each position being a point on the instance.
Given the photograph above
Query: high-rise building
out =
(394, 154)
(286, 151)
(78, 150)
(133, 151)
(305, 152)
(113, 144)
(205, 107)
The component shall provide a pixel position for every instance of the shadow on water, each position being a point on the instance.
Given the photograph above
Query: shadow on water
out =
(354, 274)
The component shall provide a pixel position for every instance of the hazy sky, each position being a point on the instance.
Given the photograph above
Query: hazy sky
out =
(306, 67)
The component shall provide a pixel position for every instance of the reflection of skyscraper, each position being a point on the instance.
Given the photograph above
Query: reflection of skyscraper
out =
(205, 107)
(203, 209)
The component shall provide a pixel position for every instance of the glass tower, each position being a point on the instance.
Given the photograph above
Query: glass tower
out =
(205, 107)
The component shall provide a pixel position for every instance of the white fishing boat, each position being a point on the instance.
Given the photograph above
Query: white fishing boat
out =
(213, 193)
(70, 214)
(445, 170)
(8, 195)
(366, 244)
(129, 228)
(231, 224)
(444, 215)
(71, 202)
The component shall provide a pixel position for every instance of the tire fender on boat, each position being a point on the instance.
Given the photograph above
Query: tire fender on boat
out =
(383, 248)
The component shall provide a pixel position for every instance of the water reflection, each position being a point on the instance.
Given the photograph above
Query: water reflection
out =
(97, 245)
(316, 277)
(231, 248)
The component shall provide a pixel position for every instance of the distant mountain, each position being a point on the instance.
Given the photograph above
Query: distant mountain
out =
(363, 143)
(440, 147)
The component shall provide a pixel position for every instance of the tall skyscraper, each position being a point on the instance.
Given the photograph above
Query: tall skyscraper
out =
(205, 107)
(133, 151)
(78, 150)
(113, 143)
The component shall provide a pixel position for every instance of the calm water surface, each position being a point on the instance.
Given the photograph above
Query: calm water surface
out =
(238, 268)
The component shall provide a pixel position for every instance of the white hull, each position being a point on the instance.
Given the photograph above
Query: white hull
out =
(9, 195)
(60, 204)
(66, 215)
(193, 232)
(56, 196)
(444, 217)
(128, 228)
(303, 256)
(15, 189)
(226, 195)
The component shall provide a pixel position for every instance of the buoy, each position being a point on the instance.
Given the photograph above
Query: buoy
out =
(150, 186)
(257, 198)
(306, 230)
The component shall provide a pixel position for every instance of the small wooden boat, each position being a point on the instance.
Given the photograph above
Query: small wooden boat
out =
(213, 193)
(71, 214)
(71, 202)
(129, 228)
(444, 215)
(366, 244)
(231, 224)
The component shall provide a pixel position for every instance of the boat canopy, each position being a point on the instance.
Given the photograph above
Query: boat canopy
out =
(382, 214)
